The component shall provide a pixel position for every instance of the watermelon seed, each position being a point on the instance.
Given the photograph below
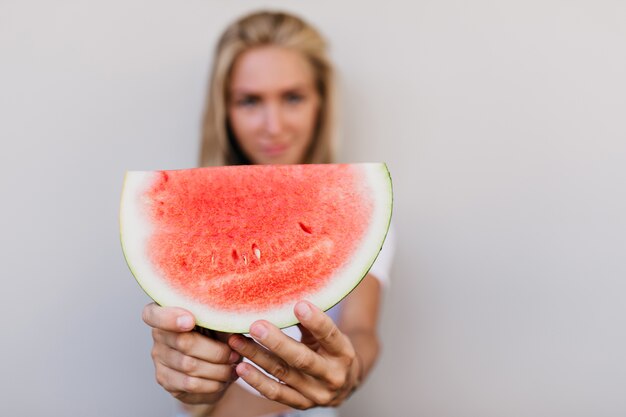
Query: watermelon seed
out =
(245, 260)
(306, 228)
(257, 251)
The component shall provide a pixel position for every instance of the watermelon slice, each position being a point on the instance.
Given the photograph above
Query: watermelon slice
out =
(238, 243)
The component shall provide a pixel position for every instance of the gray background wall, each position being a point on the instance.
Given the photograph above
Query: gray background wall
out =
(503, 126)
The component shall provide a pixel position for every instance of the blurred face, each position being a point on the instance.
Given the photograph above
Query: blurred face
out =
(273, 105)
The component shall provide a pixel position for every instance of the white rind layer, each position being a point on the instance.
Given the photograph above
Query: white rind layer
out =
(135, 231)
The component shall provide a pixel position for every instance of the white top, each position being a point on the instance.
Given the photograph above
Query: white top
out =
(381, 270)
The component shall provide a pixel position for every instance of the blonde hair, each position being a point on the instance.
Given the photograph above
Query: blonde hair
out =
(219, 146)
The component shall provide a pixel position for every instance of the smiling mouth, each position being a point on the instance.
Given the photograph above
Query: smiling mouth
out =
(275, 150)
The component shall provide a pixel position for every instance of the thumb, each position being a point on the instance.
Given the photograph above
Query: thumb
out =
(171, 319)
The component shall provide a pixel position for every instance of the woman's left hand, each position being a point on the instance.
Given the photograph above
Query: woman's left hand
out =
(321, 370)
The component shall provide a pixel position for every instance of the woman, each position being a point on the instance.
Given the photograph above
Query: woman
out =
(270, 102)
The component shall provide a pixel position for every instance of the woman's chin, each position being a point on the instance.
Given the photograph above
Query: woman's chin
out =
(276, 158)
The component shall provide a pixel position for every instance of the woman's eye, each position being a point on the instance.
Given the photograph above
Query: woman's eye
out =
(248, 101)
(293, 98)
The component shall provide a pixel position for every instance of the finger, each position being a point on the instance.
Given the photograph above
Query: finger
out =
(194, 399)
(198, 346)
(310, 387)
(292, 352)
(271, 363)
(307, 338)
(272, 389)
(322, 328)
(173, 319)
(191, 366)
(177, 382)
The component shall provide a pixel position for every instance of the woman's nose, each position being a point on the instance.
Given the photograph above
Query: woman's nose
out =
(273, 119)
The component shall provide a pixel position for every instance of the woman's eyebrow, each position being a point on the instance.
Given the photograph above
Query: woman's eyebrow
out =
(243, 90)
(251, 92)
(245, 93)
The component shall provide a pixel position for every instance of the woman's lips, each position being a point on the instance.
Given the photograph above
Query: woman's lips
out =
(274, 150)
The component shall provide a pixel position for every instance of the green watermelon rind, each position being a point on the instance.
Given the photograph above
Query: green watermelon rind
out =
(133, 231)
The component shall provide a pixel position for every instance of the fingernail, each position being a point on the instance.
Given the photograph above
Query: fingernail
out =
(242, 370)
(234, 357)
(258, 331)
(185, 322)
(303, 310)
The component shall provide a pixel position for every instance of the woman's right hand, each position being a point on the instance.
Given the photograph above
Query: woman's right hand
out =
(194, 368)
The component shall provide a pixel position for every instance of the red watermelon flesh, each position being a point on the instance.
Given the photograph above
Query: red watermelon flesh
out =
(234, 244)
